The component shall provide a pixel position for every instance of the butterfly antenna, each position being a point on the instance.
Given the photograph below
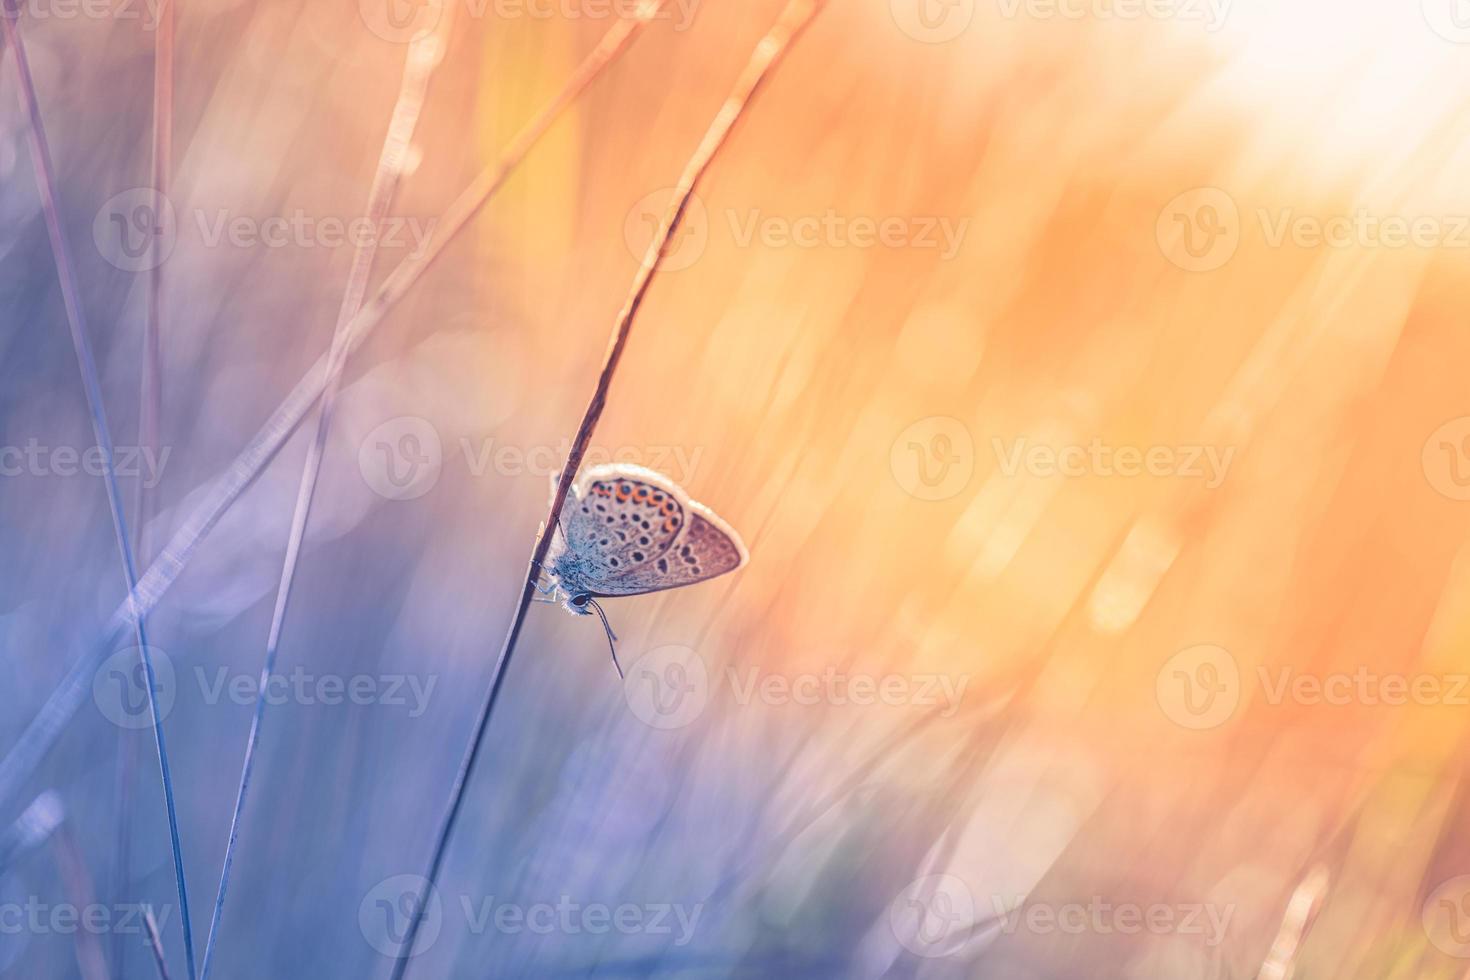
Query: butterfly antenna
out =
(612, 638)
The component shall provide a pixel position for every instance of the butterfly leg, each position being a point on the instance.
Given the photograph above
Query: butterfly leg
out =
(546, 589)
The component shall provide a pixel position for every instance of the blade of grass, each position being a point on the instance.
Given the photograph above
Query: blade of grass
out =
(796, 16)
(74, 689)
(1296, 923)
(150, 407)
(150, 923)
(71, 297)
(422, 57)
(91, 962)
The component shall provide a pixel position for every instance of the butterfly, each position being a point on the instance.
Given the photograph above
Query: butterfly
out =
(628, 530)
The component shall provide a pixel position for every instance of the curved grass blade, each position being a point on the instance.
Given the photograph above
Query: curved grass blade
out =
(797, 15)
(423, 56)
(74, 688)
(86, 363)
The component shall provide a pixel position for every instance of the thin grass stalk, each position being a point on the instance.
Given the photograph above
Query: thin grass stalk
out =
(150, 410)
(1296, 922)
(86, 363)
(77, 881)
(423, 56)
(150, 923)
(127, 768)
(75, 688)
(771, 50)
(150, 394)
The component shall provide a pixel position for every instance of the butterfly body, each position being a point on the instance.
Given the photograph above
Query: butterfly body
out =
(572, 574)
(630, 531)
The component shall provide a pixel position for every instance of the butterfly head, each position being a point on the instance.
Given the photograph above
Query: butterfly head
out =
(570, 572)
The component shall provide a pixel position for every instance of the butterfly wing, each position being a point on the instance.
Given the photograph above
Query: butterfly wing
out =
(621, 517)
(637, 531)
(707, 548)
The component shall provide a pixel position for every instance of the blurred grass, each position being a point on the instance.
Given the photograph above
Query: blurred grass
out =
(793, 371)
